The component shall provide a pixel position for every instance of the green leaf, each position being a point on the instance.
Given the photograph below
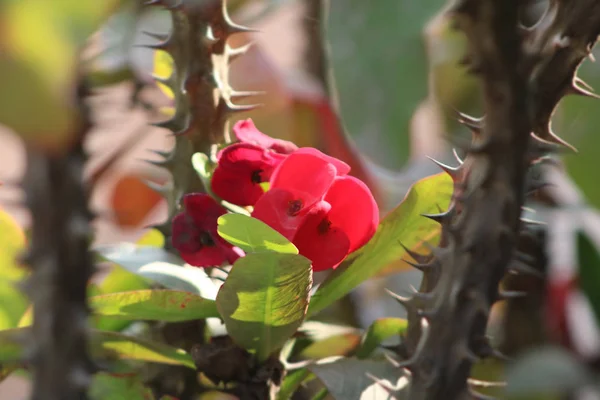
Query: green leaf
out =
(264, 300)
(392, 79)
(402, 226)
(352, 379)
(154, 305)
(546, 370)
(118, 387)
(380, 330)
(12, 242)
(589, 271)
(292, 382)
(103, 345)
(253, 235)
(160, 266)
(337, 345)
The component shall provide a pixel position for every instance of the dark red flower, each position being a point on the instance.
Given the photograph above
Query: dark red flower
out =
(240, 170)
(313, 203)
(195, 233)
(338, 225)
(245, 131)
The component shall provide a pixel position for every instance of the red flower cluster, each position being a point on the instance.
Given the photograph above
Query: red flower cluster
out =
(312, 200)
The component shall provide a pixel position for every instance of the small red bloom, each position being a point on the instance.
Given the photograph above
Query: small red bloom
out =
(343, 222)
(299, 182)
(245, 131)
(195, 233)
(241, 168)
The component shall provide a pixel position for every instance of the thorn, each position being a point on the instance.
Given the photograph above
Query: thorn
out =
(591, 57)
(458, 159)
(580, 88)
(230, 26)
(155, 46)
(234, 52)
(230, 107)
(156, 163)
(391, 360)
(385, 385)
(439, 218)
(158, 36)
(519, 267)
(533, 222)
(420, 267)
(485, 384)
(154, 3)
(474, 124)
(480, 396)
(170, 124)
(453, 172)
(508, 294)
(553, 138)
(404, 301)
(177, 4)
(241, 95)
(419, 258)
(158, 188)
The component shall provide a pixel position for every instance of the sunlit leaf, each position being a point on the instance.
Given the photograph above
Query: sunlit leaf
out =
(404, 225)
(264, 300)
(156, 305)
(103, 345)
(253, 235)
(379, 331)
(337, 345)
(12, 242)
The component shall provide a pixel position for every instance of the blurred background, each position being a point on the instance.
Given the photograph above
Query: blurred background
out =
(377, 84)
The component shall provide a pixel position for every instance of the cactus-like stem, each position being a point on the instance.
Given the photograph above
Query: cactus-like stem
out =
(203, 98)
(61, 264)
(525, 72)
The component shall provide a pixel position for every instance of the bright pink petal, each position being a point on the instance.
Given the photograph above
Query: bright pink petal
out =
(203, 209)
(341, 167)
(241, 168)
(353, 210)
(320, 241)
(306, 177)
(246, 132)
(274, 207)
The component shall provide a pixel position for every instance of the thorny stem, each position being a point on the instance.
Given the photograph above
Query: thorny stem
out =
(525, 73)
(61, 264)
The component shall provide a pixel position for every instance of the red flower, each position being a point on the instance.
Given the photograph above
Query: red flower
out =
(324, 212)
(195, 233)
(245, 131)
(241, 168)
(343, 222)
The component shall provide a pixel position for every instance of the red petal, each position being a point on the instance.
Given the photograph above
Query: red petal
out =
(235, 178)
(206, 257)
(203, 209)
(353, 210)
(306, 177)
(272, 209)
(245, 131)
(341, 167)
(185, 234)
(325, 248)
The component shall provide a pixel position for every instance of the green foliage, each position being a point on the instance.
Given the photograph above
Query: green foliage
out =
(118, 387)
(337, 345)
(41, 42)
(379, 331)
(589, 271)
(546, 370)
(155, 305)
(577, 120)
(380, 90)
(264, 300)
(403, 226)
(104, 345)
(352, 379)
(12, 302)
(253, 235)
